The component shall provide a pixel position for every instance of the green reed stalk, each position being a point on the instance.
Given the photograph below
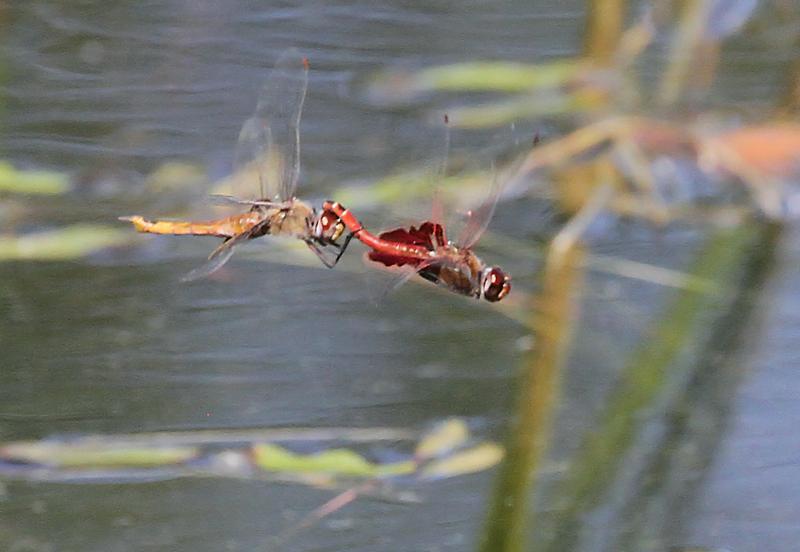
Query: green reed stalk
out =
(604, 22)
(647, 374)
(553, 315)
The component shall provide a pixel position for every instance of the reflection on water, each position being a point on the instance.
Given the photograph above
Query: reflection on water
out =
(109, 91)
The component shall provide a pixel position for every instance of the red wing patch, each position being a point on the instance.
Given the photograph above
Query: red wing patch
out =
(423, 236)
(392, 260)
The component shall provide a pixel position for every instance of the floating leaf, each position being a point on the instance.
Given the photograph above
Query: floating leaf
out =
(474, 459)
(443, 438)
(88, 455)
(71, 242)
(32, 182)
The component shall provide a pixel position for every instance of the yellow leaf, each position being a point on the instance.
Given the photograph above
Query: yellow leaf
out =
(271, 457)
(443, 438)
(65, 455)
(474, 459)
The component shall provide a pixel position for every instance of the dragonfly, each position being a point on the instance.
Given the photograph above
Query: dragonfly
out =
(269, 146)
(426, 251)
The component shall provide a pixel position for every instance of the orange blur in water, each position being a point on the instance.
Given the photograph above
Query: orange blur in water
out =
(769, 149)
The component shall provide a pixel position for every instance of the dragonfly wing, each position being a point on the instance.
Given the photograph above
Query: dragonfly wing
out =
(218, 257)
(437, 203)
(225, 199)
(478, 219)
(253, 159)
(269, 142)
(399, 275)
(281, 105)
(437, 211)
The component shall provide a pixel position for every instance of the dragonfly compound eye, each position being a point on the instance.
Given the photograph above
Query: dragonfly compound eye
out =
(329, 227)
(496, 284)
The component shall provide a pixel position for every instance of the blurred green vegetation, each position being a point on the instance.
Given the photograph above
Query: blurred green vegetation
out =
(62, 244)
(447, 450)
(32, 182)
(735, 259)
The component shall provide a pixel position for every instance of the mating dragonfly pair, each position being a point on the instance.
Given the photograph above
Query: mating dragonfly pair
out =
(269, 144)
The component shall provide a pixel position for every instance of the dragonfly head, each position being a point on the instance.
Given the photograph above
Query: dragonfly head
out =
(495, 284)
(328, 227)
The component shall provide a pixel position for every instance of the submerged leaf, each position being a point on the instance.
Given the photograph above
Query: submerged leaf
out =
(36, 182)
(71, 242)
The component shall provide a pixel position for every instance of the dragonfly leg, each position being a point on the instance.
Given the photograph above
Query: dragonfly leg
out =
(342, 248)
(312, 245)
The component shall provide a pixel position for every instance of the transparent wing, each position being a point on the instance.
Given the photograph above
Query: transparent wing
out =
(397, 277)
(478, 219)
(224, 199)
(437, 204)
(437, 207)
(218, 257)
(269, 142)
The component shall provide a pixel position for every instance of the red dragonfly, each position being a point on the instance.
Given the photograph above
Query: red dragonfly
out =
(269, 144)
(428, 252)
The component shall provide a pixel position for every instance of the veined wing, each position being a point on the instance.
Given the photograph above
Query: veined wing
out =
(398, 275)
(437, 218)
(432, 271)
(478, 219)
(220, 255)
(225, 199)
(269, 142)
(437, 205)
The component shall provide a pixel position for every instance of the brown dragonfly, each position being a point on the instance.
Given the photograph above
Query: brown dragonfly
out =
(269, 146)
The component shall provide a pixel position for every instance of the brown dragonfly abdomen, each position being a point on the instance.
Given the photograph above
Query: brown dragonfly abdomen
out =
(227, 227)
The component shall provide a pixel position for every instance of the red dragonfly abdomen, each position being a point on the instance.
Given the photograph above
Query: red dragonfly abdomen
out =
(388, 259)
(402, 246)
(227, 227)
